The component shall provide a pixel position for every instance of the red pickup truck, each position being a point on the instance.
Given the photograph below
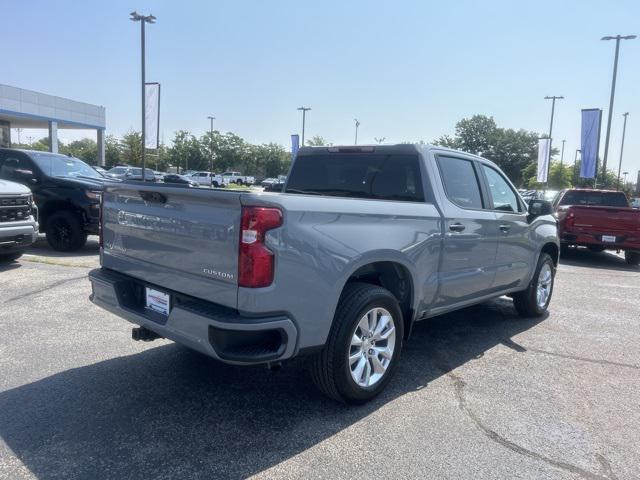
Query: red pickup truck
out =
(599, 220)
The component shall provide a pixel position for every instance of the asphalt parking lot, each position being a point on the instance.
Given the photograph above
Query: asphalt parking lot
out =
(479, 394)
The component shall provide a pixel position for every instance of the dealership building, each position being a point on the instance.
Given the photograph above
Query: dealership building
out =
(20, 108)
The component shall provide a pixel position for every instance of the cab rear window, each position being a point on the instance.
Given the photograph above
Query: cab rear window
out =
(605, 199)
(360, 175)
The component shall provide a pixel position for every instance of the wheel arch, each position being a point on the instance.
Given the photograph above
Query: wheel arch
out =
(552, 249)
(393, 276)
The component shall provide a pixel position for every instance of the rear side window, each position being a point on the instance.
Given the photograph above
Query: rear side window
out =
(361, 175)
(605, 199)
(460, 182)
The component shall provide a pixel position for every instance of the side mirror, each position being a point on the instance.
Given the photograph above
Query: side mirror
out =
(25, 175)
(538, 208)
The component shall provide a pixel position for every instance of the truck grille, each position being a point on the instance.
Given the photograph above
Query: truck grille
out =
(15, 208)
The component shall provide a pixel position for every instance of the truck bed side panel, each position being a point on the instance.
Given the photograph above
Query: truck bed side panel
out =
(325, 239)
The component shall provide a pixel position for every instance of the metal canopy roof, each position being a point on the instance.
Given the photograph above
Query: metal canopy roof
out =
(28, 109)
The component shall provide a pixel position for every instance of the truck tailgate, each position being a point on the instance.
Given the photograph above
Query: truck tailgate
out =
(604, 219)
(174, 237)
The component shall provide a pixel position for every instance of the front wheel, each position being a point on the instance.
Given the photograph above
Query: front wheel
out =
(534, 301)
(363, 348)
(632, 258)
(65, 232)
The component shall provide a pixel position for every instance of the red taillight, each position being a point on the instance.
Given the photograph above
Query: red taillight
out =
(570, 220)
(255, 262)
(100, 226)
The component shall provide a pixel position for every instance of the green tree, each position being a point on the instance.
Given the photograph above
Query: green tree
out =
(317, 141)
(111, 151)
(131, 148)
(85, 149)
(186, 153)
(512, 150)
(474, 135)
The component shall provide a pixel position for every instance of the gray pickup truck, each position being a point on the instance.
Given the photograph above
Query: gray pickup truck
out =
(363, 242)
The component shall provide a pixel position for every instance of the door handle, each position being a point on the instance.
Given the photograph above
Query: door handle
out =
(505, 228)
(456, 227)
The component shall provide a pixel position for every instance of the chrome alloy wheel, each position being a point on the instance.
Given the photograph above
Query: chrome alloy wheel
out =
(545, 282)
(372, 345)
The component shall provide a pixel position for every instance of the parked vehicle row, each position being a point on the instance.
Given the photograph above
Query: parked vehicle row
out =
(363, 242)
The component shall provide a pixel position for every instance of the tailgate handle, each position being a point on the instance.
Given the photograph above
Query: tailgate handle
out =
(153, 197)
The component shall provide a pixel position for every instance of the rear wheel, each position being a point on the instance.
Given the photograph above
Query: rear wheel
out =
(534, 301)
(363, 348)
(632, 258)
(64, 232)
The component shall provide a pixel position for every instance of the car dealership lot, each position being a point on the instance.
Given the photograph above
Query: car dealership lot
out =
(479, 393)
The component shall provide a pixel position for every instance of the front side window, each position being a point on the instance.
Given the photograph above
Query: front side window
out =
(61, 166)
(361, 175)
(460, 182)
(503, 196)
(9, 166)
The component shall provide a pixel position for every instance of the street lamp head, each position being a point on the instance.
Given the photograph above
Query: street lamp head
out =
(304, 109)
(619, 37)
(554, 97)
(136, 17)
(211, 118)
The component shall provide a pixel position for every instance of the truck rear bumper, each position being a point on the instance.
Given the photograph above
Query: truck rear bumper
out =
(622, 242)
(214, 330)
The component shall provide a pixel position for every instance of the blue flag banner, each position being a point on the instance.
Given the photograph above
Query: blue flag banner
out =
(590, 141)
(295, 146)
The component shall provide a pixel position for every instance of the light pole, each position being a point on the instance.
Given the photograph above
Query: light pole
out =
(553, 109)
(357, 125)
(625, 178)
(624, 130)
(617, 38)
(575, 166)
(211, 118)
(143, 19)
(562, 154)
(379, 140)
(304, 114)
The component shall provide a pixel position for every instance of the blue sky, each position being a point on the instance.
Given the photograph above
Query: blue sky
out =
(408, 70)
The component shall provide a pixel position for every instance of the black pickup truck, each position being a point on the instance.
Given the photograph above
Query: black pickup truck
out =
(66, 190)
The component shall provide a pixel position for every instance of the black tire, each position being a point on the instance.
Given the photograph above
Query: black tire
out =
(596, 248)
(632, 258)
(215, 185)
(64, 232)
(331, 371)
(239, 181)
(10, 257)
(526, 301)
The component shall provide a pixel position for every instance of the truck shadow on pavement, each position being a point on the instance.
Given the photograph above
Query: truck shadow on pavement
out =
(172, 413)
(42, 249)
(582, 257)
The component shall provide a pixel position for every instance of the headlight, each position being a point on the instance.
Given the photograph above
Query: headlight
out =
(93, 195)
